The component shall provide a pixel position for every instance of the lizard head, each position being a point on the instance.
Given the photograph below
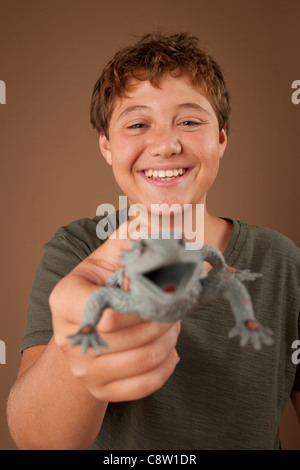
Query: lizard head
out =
(163, 266)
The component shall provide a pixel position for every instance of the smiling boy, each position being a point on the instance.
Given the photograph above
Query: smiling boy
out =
(164, 146)
(161, 108)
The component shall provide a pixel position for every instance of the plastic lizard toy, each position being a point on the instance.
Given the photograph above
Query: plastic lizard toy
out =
(166, 283)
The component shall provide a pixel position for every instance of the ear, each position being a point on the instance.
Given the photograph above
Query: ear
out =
(222, 141)
(105, 148)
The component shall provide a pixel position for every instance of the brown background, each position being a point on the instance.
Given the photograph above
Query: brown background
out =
(51, 170)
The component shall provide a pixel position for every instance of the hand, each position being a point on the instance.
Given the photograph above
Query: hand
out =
(141, 355)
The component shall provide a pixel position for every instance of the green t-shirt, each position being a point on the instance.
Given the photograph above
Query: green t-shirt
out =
(221, 395)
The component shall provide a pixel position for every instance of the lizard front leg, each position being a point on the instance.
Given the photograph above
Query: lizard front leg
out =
(87, 335)
(214, 257)
(112, 297)
(116, 279)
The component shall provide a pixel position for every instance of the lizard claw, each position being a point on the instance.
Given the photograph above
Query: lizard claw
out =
(244, 275)
(88, 337)
(251, 331)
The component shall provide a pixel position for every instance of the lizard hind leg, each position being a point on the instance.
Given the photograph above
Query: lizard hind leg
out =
(246, 327)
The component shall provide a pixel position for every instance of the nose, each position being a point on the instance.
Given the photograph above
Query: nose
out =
(164, 143)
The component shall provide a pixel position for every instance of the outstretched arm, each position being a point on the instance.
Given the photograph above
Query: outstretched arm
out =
(60, 396)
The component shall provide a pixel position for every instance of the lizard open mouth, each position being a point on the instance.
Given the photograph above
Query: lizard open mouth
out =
(169, 278)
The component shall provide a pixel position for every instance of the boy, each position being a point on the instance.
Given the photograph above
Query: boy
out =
(159, 106)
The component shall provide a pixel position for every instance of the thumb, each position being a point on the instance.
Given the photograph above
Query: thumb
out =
(109, 253)
(70, 295)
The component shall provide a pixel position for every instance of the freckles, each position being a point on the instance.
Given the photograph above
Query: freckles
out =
(211, 151)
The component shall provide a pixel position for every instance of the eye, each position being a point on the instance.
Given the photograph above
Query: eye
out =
(137, 126)
(190, 123)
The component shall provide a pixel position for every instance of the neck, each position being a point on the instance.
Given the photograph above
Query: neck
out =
(197, 224)
(217, 232)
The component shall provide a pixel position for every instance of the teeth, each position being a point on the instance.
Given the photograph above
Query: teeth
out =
(165, 174)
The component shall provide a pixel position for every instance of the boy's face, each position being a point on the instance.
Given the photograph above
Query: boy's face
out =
(155, 134)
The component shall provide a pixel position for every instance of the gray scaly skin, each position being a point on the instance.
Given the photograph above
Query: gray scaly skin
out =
(166, 283)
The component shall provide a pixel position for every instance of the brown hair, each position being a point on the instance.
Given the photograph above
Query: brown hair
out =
(148, 59)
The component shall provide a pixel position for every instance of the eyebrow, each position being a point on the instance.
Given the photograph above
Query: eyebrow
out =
(195, 106)
(131, 109)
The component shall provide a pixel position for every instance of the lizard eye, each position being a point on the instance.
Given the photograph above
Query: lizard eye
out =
(143, 246)
(181, 242)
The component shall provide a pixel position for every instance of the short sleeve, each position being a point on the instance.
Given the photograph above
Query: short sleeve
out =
(69, 246)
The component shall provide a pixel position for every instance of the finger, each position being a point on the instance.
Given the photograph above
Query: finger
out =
(112, 321)
(135, 361)
(68, 299)
(132, 338)
(136, 387)
(109, 252)
(136, 335)
(70, 295)
(106, 259)
(110, 328)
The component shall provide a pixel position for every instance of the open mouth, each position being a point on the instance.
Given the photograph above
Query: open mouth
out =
(165, 175)
(170, 278)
